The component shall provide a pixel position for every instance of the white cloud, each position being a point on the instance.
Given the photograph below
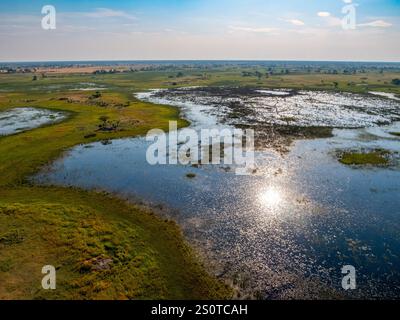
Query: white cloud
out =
(108, 13)
(296, 22)
(253, 30)
(376, 24)
(324, 14)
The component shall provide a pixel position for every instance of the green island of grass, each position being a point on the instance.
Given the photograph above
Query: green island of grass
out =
(375, 157)
(397, 134)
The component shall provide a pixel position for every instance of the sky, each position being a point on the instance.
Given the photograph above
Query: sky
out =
(201, 30)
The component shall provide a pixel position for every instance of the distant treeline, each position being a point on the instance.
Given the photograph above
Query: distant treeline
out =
(247, 68)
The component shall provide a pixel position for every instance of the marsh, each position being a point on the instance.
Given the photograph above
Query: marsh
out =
(286, 230)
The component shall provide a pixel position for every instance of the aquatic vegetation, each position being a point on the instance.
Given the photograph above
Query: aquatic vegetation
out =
(395, 134)
(246, 105)
(191, 175)
(278, 116)
(376, 157)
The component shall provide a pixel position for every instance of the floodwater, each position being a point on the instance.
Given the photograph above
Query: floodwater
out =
(22, 119)
(285, 231)
(386, 95)
(278, 107)
(89, 86)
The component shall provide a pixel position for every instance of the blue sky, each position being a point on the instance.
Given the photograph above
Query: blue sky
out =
(200, 29)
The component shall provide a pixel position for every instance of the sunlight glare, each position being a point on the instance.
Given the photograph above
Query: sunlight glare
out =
(271, 197)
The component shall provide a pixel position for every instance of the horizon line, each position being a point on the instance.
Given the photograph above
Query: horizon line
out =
(197, 60)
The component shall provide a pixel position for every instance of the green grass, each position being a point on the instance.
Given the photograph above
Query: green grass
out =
(75, 230)
(375, 157)
(397, 134)
(137, 81)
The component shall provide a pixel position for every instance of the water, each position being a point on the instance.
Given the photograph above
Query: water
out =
(89, 86)
(21, 119)
(285, 231)
(386, 95)
(278, 107)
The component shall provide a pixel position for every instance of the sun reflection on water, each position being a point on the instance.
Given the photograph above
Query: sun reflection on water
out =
(271, 197)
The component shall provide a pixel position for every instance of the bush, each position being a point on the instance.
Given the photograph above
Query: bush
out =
(396, 82)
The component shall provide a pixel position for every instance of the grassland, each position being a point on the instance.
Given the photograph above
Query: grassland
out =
(121, 82)
(103, 247)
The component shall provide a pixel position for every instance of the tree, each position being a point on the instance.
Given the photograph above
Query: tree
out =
(96, 95)
(396, 82)
(104, 118)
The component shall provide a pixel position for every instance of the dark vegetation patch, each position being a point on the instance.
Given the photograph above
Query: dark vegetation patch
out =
(90, 135)
(11, 237)
(281, 137)
(226, 92)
